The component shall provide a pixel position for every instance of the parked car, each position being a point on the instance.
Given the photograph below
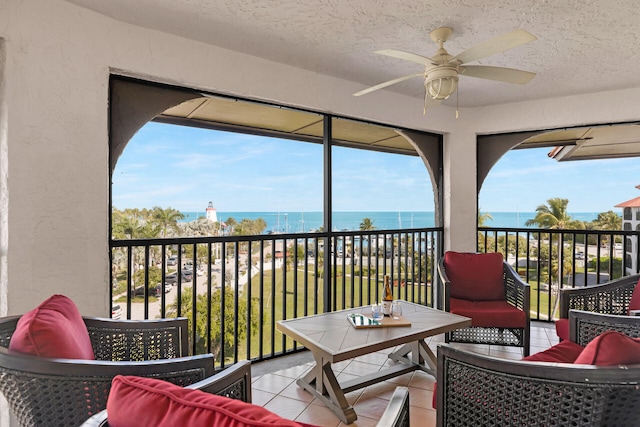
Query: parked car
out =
(187, 276)
(158, 289)
(116, 311)
(173, 260)
(138, 292)
(580, 255)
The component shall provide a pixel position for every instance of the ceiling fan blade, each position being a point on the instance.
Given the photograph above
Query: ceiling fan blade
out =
(501, 74)
(407, 56)
(388, 83)
(495, 45)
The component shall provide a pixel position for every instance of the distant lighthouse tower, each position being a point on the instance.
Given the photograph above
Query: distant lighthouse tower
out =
(211, 213)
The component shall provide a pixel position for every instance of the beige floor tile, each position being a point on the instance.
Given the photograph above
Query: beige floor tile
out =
(383, 390)
(376, 358)
(362, 421)
(295, 371)
(360, 368)
(370, 406)
(422, 380)
(271, 382)
(421, 398)
(318, 415)
(422, 417)
(286, 407)
(294, 391)
(259, 397)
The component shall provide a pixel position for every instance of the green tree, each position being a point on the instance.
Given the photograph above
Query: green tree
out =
(155, 277)
(225, 339)
(607, 221)
(554, 215)
(483, 218)
(367, 225)
(166, 219)
(230, 224)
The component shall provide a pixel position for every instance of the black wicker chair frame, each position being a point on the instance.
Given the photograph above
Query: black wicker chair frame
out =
(608, 298)
(517, 293)
(65, 392)
(235, 382)
(475, 389)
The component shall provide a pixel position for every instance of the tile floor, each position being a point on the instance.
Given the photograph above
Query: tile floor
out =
(274, 383)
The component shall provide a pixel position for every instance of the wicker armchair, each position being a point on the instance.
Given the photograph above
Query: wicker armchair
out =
(65, 392)
(235, 382)
(608, 298)
(516, 293)
(474, 387)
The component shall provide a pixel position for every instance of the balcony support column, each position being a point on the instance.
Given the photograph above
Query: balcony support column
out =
(460, 197)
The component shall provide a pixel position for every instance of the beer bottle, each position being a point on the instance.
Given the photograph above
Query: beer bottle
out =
(387, 296)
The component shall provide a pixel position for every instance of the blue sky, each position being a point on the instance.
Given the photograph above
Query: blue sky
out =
(185, 168)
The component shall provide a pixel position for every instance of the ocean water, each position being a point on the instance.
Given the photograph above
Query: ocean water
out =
(300, 222)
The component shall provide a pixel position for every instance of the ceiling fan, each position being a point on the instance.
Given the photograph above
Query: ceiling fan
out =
(442, 70)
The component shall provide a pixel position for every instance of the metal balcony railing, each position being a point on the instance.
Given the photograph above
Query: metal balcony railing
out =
(233, 289)
(550, 260)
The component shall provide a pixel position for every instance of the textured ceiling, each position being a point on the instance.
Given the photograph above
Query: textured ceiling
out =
(582, 46)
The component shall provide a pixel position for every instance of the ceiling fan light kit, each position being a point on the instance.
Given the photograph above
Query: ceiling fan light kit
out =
(442, 71)
(441, 82)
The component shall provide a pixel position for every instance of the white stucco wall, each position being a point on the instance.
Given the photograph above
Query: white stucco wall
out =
(54, 125)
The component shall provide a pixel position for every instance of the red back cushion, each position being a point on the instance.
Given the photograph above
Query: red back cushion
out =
(475, 277)
(139, 402)
(634, 304)
(609, 349)
(564, 352)
(53, 329)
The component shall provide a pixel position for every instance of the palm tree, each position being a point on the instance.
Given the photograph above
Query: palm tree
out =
(483, 217)
(367, 225)
(554, 216)
(166, 219)
(608, 221)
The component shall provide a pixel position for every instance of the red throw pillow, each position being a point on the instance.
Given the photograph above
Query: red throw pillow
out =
(634, 304)
(564, 352)
(139, 402)
(475, 277)
(53, 329)
(611, 348)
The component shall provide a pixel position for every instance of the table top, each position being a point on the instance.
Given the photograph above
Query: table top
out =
(332, 335)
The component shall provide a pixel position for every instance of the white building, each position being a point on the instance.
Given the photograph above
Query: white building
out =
(631, 221)
(211, 213)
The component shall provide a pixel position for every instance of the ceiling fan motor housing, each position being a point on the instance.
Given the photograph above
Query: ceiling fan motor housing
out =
(441, 81)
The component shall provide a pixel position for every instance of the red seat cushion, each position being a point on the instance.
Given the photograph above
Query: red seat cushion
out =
(499, 314)
(139, 402)
(634, 304)
(562, 329)
(609, 349)
(564, 352)
(53, 329)
(475, 277)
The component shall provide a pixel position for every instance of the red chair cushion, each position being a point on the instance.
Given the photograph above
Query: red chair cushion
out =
(564, 352)
(634, 304)
(609, 349)
(53, 329)
(139, 402)
(475, 277)
(499, 314)
(562, 329)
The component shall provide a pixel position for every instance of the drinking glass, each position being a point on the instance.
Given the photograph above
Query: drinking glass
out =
(396, 310)
(376, 311)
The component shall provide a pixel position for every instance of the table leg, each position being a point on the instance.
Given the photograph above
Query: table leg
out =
(322, 383)
(421, 355)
